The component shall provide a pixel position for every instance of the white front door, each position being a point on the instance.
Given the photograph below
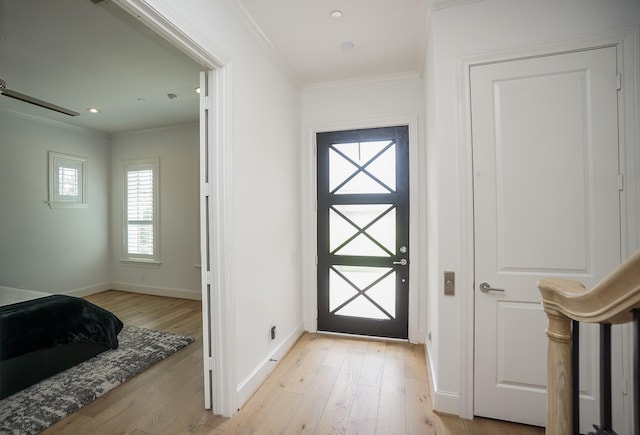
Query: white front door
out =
(546, 204)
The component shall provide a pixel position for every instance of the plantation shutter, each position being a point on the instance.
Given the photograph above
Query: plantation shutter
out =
(68, 181)
(140, 211)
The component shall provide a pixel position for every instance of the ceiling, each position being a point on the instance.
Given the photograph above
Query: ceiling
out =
(388, 36)
(77, 54)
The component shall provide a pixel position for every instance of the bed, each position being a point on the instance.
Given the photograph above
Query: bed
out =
(42, 334)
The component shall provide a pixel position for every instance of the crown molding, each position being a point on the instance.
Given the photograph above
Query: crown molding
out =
(242, 14)
(408, 75)
(52, 122)
(444, 4)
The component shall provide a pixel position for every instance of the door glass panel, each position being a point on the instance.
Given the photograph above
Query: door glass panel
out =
(348, 161)
(362, 246)
(361, 307)
(385, 295)
(361, 152)
(384, 167)
(377, 283)
(339, 169)
(384, 231)
(361, 183)
(339, 230)
(346, 220)
(341, 290)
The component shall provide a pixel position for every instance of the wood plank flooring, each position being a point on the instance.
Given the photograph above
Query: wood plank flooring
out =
(324, 385)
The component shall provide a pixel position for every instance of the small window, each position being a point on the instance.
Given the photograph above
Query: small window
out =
(141, 211)
(67, 181)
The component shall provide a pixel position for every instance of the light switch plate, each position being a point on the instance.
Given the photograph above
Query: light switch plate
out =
(449, 283)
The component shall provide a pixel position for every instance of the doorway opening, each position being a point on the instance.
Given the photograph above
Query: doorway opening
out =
(215, 171)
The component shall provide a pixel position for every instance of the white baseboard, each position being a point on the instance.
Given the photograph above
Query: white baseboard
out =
(251, 383)
(311, 326)
(420, 338)
(444, 402)
(91, 290)
(157, 291)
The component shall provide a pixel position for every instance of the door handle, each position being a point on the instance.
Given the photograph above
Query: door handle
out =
(402, 262)
(486, 287)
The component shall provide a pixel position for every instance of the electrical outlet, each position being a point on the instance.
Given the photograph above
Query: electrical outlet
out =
(273, 332)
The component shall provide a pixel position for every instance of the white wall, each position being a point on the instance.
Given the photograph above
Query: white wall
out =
(264, 238)
(56, 250)
(369, 100)
(372, 102)
(78, 250)
(177, 149)
(479, 28)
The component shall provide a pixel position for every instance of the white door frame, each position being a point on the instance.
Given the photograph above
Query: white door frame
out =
(310, 224)
(626, 42)
(216, 245)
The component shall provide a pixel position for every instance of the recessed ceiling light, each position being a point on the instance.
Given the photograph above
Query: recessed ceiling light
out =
(93, 110)
(347, 46)
(172, 96)
(336, 14)
(141, 100)
(197, 90)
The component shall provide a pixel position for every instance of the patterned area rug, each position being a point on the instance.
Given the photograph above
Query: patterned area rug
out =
(34, 409)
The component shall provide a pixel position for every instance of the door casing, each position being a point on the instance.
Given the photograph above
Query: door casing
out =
(310, 227)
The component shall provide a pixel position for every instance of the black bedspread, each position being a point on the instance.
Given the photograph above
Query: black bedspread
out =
(54, 320)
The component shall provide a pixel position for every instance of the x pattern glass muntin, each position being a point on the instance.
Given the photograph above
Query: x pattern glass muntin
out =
(385, 247)
(374, 308)
(375, 163)
(349, 183)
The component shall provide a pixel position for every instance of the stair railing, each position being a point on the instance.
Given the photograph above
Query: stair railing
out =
(614, 300)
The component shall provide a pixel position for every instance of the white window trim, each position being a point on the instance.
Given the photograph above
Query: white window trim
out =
(141, 259)
(65, 160)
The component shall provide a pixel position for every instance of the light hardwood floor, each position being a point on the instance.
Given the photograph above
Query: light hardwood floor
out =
(324, 385)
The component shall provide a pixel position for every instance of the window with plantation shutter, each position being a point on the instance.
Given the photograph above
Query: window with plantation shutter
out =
(67, 181)
(141, 205)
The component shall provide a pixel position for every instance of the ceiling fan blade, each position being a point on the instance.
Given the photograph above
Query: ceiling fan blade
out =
(31, 100)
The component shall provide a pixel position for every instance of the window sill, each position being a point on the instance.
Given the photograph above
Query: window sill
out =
(62, 204)
(140, 262)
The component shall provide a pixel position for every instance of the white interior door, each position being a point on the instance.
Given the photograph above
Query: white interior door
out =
(546, 204)
(206, 208)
